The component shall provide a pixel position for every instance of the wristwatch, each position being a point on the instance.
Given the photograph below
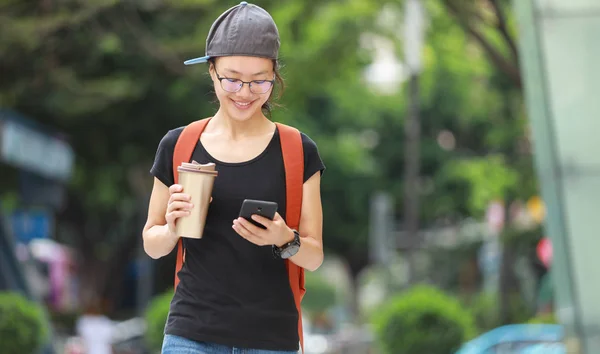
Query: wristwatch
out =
(289, 249)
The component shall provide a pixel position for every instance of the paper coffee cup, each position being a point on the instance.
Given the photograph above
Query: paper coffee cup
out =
(197, 180)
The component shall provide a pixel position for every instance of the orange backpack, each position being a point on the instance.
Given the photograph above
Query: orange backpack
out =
(293, 160)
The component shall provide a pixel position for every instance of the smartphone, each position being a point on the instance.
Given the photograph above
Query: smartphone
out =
(260, 207)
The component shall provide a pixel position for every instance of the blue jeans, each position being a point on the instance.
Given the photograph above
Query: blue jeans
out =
(178, 345)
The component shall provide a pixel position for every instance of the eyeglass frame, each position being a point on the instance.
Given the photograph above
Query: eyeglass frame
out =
(242, 84)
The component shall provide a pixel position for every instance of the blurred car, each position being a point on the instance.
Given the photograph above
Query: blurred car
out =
(518, 339)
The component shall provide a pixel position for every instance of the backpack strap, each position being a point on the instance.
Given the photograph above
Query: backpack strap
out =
(186, 143)
(293, 160)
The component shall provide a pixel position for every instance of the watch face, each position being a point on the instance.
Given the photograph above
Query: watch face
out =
(290, 251)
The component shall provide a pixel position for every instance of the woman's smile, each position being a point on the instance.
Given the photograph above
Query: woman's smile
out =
(242, 104)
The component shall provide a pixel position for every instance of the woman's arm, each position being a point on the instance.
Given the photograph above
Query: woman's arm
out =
(166, 205)
(310, 256)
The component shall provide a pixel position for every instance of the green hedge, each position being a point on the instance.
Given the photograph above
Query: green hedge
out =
(485, 309)
(156, 318)
(548, 318)
(23, 327)
(423, 320)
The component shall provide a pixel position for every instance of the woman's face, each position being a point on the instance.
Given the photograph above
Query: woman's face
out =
(245, 103)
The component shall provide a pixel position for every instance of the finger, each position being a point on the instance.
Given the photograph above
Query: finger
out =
(175, 188)
(179, 197)
(251, 227)
(262, 220)
(240, 225)
(179, 206)
(248, 229)
(277, 217)
(174, 215)
(245, 233)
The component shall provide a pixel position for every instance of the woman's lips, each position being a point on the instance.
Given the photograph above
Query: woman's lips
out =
(242, 105)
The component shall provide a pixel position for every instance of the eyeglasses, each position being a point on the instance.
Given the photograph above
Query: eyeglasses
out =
(235, 85)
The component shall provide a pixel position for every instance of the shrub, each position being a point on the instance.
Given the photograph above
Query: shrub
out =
(320, 295)
(485, 310)
(547, 318)
(156, 317)
(423, 320)
(23, 327)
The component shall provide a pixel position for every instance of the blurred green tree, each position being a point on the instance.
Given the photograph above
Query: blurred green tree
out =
(111, 76)
(490, 24)
(475, 141)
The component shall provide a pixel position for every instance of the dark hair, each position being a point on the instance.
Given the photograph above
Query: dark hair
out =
(279, 86)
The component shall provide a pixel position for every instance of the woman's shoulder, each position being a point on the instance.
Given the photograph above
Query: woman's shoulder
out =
(313, 162)
(308, 144)
(163, 160)
(170, 138)
(312, 158)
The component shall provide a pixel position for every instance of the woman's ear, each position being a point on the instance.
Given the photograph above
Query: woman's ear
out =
(211, 69)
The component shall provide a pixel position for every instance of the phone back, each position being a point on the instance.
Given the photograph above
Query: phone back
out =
(260, 207)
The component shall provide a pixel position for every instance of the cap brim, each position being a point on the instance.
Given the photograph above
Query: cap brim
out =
(197, 60)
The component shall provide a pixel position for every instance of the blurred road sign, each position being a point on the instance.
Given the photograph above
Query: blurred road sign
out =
(29, 225)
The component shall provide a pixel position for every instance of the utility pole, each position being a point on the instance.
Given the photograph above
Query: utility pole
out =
(381, 224)
(413, 42)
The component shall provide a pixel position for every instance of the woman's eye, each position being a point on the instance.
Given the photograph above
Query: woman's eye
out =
(260, 82)
(232, 80)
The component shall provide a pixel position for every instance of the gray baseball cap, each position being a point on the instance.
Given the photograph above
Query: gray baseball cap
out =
(245, 29)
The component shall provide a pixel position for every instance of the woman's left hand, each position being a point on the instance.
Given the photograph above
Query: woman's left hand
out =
(276, 233)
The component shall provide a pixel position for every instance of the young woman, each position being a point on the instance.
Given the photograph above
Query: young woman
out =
(234, 295)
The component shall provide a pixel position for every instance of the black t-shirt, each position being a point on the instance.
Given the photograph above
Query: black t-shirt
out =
(231, 291)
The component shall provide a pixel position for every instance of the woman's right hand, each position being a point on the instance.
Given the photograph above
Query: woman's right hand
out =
(179, 205)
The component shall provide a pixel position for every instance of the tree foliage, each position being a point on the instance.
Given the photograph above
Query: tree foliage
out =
(110, 75)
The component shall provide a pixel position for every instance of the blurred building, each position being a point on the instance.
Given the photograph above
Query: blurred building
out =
(35, 164)
(558, 47)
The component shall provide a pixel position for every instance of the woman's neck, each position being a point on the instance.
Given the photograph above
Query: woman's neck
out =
(235, 129)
